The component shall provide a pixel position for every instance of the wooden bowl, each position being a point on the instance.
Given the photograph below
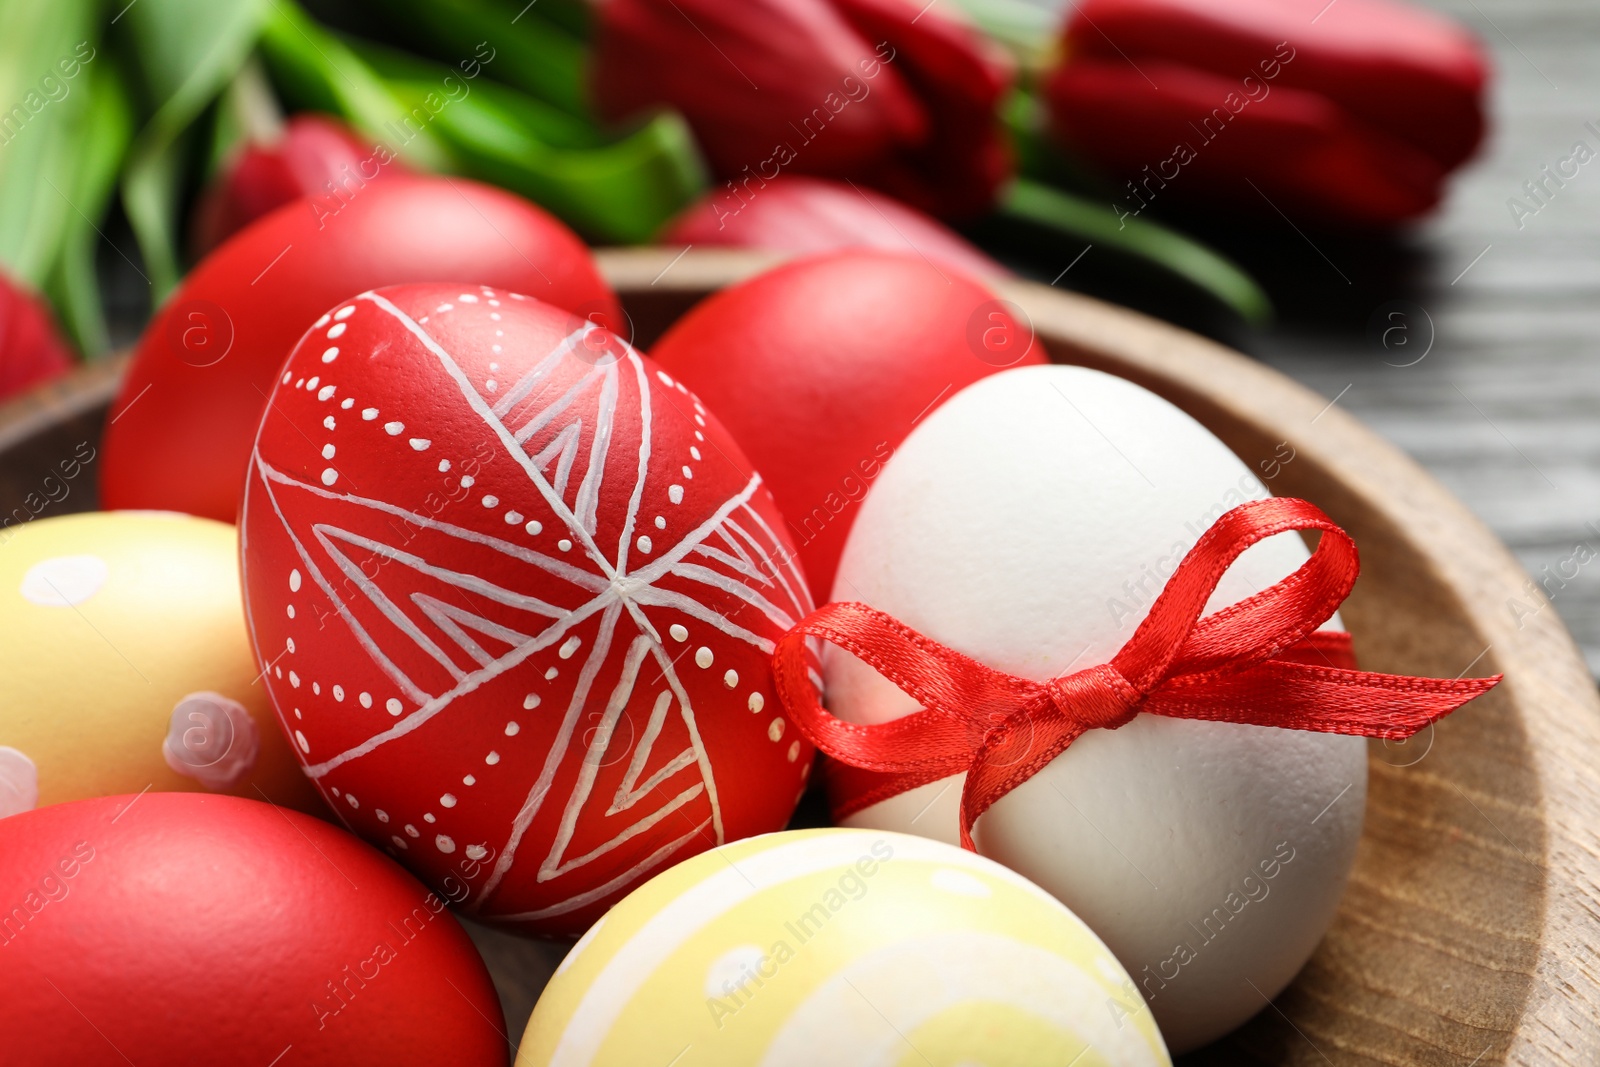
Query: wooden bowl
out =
(1468, 933)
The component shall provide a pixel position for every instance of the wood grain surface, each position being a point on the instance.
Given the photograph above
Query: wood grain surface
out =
(1505, 409)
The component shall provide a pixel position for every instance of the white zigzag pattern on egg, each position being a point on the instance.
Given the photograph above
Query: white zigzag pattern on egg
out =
(609, 587)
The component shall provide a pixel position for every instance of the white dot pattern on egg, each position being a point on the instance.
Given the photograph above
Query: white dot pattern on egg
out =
(19, 782)
(64, 581)
(734, 971)
(212, 739)
(492, 533)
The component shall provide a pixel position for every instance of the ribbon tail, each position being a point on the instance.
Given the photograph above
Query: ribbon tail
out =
(1322, 648)
(1007, 758)
(1303, 696)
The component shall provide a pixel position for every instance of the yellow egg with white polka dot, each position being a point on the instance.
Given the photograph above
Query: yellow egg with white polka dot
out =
(124, 665)
(841, 947)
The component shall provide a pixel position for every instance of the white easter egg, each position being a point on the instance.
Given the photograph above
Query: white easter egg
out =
(1029, 523)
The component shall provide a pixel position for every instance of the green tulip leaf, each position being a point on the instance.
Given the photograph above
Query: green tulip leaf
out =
(415, 78)
(317, 71)
(623, 191)
(41, 112)
(514, 44)
(184, 52)
(104, 135)
(611, 187)
(1074, 216)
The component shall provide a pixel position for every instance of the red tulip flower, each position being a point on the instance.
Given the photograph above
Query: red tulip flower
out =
(1349, 112)
(314, 156)
(803, 216)
(31, 350)
(880, 91)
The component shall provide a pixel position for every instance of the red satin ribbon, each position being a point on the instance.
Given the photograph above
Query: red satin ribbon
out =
(1261, 661)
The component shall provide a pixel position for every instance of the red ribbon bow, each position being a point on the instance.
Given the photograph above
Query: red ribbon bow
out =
(1261, 661)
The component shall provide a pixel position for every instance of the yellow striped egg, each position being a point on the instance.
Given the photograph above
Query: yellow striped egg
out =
(841, 947)
(124, 665)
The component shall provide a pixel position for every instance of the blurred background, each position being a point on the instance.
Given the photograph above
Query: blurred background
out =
(1396, 210)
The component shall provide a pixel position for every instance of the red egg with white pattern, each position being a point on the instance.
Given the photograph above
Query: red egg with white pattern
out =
(515, 591)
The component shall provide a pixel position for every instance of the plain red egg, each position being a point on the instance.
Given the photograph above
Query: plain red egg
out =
(175, 928)
(514, 592)
(179, 432)
(821, 367)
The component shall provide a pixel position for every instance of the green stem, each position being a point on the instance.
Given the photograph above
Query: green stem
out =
(1076, 217)
(247, 112)
(1027, 123)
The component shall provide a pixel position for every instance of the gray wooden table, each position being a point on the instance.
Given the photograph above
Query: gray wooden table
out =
(1505, 407)
(1491, 374)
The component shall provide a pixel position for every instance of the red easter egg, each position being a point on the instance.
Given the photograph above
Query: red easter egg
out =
(187, 928)
(821, 367)
(515, 592)
(180, 430)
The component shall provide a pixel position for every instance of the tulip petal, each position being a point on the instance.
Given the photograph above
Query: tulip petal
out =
(961, 77)
(765, 84)
(1198, 138)
(1397, 68)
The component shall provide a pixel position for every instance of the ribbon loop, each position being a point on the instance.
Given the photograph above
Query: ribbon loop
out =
(1261, 661)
